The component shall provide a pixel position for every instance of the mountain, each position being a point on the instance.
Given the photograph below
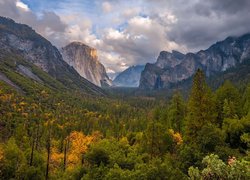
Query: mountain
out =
(130, 77)
(19, 40)
(85, 61)
(175, 67)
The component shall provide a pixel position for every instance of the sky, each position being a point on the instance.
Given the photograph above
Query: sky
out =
(132, 32)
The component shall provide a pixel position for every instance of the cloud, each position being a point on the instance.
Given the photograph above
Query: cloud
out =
(106, 7)
(202, 23)
(130, 12)
(23, 6)
(140, 42)
(133, 32)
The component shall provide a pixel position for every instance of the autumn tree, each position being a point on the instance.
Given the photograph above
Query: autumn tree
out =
(78, 146)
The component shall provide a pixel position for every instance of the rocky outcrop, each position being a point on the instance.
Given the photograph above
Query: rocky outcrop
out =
(85, 61)
(175, 67)
(22, 40)
(28, 72)
(129, 77)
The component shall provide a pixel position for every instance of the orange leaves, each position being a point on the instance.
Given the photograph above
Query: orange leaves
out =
(56, 158)
(176, 136)
(6, 97)
(79, 144)
(97, 135)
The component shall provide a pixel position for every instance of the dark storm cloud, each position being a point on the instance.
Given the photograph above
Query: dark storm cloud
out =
(202, 23)
(229, 6)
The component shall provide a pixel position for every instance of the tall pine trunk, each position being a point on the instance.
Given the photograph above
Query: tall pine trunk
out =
(48, 157)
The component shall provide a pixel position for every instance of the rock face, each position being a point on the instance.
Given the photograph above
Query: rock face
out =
(85, 61)
(22, 40)
(130, 77)
(175, 67)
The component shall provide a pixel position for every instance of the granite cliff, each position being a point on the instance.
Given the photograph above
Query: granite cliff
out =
(84, 60)
(175, 67)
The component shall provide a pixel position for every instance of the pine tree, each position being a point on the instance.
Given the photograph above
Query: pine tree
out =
(176, 112)
(200, 107)
(227, 96)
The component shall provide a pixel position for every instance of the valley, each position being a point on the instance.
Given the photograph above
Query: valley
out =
(187, 116)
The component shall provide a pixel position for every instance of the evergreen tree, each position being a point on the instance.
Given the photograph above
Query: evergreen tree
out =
(246, 100)
(227, 101)
(176, 112)
(200, 107)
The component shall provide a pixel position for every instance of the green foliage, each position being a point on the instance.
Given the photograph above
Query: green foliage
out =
(246, 100)
(97, 156)
(13, 164)
(217, 169)
(157, 140)
(234, 129)
(131, 138)
(176, 112)
(228, 102)
(209, 137)
(200, 107)
(190, 155)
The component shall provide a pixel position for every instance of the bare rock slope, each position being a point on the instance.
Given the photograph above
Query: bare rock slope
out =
(84, 60)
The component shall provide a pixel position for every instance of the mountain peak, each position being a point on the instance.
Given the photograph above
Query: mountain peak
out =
(175, 67)
(89, 51)
(78, 43)
(130, 77)
(84, 60)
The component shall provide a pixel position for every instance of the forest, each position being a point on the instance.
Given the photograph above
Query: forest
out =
(52, 134)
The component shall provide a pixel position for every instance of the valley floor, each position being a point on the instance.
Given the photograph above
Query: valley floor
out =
(60, 134)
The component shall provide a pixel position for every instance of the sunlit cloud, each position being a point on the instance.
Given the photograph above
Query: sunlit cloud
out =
(23, 6)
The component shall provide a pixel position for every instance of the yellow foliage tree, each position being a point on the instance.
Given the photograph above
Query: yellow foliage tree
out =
(176, 136)
(56, 158)
(78, 146)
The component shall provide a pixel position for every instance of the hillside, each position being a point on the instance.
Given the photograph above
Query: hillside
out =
(22, 41)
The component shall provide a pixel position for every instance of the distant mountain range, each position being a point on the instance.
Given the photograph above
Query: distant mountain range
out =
(129, 77)
(171, 68)
(24, 53)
